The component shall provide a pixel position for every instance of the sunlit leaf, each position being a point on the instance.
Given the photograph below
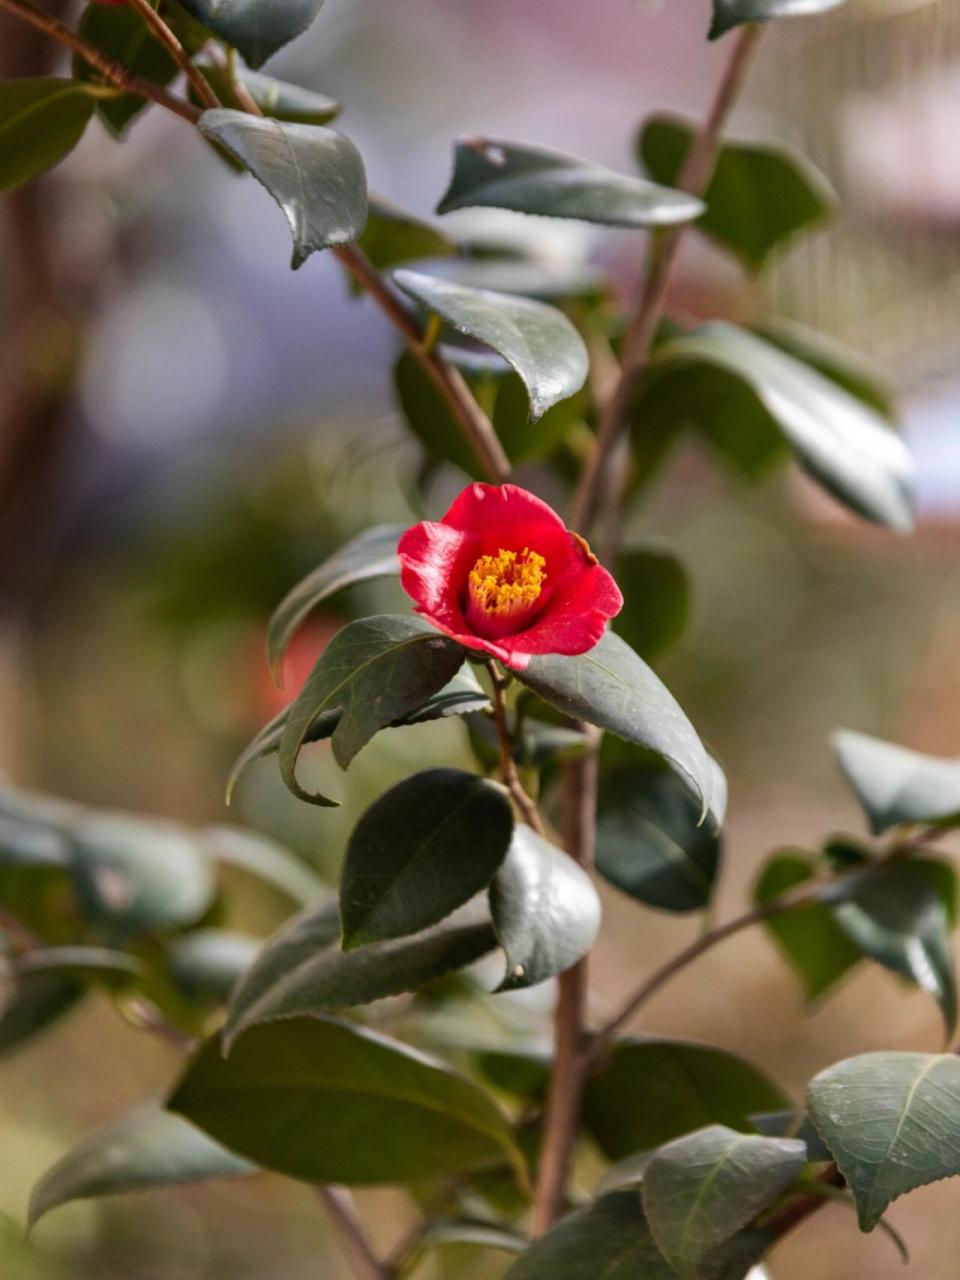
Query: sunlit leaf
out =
(895, 785)
(728, 14)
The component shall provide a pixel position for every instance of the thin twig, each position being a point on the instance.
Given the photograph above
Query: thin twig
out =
(339, 1204)
(117, 75)
(508, 766)
(198, 82)
(637, 342)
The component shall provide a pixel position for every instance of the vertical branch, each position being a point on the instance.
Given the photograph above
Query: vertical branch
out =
(508, 766)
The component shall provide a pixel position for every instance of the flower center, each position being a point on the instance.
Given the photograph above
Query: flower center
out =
(503, 589)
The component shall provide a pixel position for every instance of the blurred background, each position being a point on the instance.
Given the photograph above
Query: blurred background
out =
(187, 427)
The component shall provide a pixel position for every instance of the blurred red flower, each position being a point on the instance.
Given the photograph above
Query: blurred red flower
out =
(500, 573)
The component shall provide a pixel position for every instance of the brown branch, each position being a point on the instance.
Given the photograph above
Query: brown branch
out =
(637, 342)
(508, 766)
(198, 82)
(117, 75)
(339, 1204)
(239, 90)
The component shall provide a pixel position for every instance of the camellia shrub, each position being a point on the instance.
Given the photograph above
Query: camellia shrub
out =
(537, 640)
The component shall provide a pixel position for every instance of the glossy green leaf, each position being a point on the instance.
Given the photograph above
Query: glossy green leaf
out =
(898, 918)
(149, 1147)
(896, 785)
(545, 910)
(892, 1121)
(264, 859)
(371, 554)
(315, 174)
(792, 1124)
(701, 1189)
(836, 361)
(206, 964)
(332, 979)
(850, 450)
(326, 1101)
(761, 194)
(651, 843)
(728, 14)
(656, 595)
(277, 98)
(809, 937)
(256, 28)
(41, 120)
(392, 235)
(610, 686)
(609, 1238)
(121, 33)
(374, 670)
(538, 341)
(505, 175)
(651, 1091)
(421, 850)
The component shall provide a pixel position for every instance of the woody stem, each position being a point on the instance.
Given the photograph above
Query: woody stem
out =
(508, 765)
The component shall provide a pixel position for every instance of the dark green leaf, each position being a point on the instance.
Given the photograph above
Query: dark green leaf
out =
(504, 175)
(430, 417)
(651, 842)
(422, 850)
(728, 14)
(849, 449)
(76, 961)
(548, 281)
(41, 120)
(895, 785)
(538, 341)
(545, 910)
(701, 1189)
(207, 964)
(897, 917)
(375, 670)
(892, 1121)
(656, 594)
(32, 1005)
(761, 193)
(523, 1073)
(315, 174)
(848, 368)
(121, 33)
(265, 859)
(611, 687)
(257, 28)
(325, 1101)
(334, 979)
(608, 1239)
(392, 235)
(810, 938)
(148, 1148)
(651, 1091)
(792, 1124)
(276, 98)
(371, 554)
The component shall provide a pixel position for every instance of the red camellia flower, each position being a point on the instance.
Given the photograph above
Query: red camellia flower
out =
(500, 573)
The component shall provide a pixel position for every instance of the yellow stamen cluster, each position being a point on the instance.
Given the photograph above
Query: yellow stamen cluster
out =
(507, 582)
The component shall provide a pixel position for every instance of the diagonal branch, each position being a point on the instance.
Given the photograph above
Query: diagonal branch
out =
(198, 82)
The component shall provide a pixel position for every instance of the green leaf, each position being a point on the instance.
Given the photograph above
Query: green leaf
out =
(728, 14)
(34, 1004)
(121, 33)
(207, 964)
(538, 341)
(848, 368)
(897, 917)
(611, 687)
(810, 938)
(371, 554)
(545, 910)
(651, 843)
(275, 98)
(473, 1231)
(896, 785)
(792, 1124)
(421, 850)
(701, 1189)
(315, 175)
(41, 120)
(656, 594)
(375, 671)
(430, 418)
(76, 961)
(892, 1121)
(651, 1091)
(761, 193)
(392, 235)
(147, 1148)
(334, 979)
(263, 858)
(325, 1101)
(609, 1238)
(256, 28)
(505, 175)
(849, 449)
(463, 695)
(134, 875)
(26, 844)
